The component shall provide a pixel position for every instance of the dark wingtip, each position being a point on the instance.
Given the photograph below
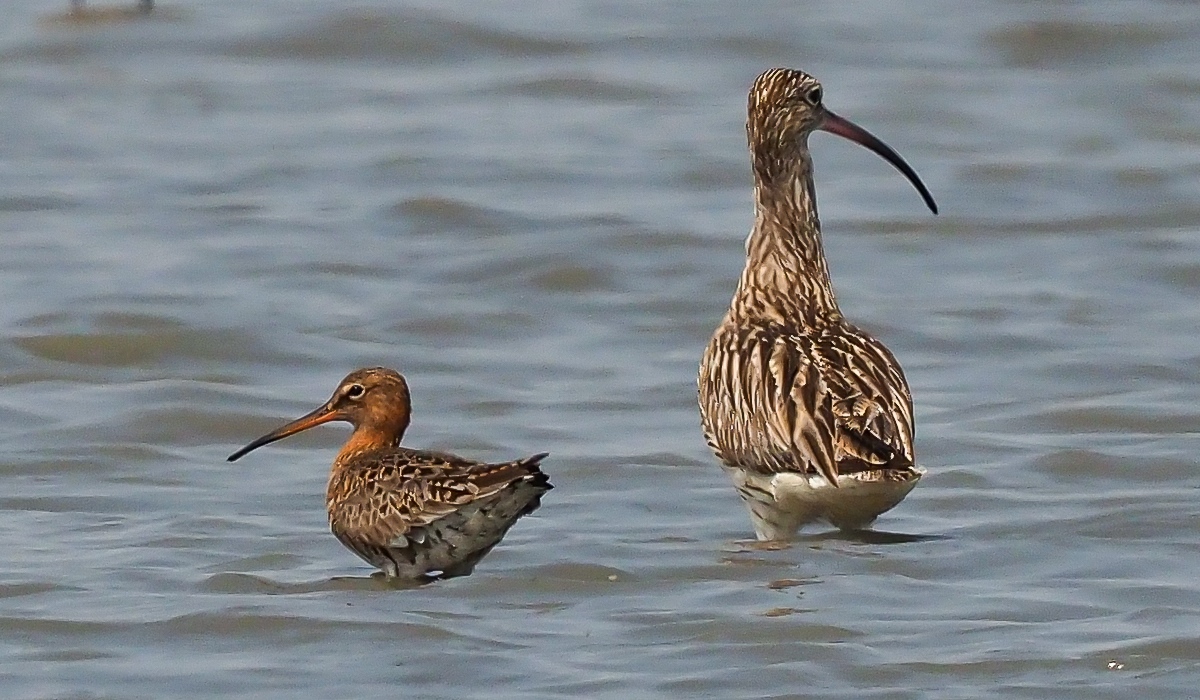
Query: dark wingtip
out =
(536, 476)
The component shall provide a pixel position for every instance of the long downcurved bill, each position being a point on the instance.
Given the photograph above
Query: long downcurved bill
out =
(318, 417)
(849, 130)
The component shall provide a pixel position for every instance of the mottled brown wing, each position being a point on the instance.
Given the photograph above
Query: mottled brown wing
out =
(870, 399)
(764, 403)
(381, 504)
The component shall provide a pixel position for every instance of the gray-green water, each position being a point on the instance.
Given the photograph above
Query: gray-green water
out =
(536, 211)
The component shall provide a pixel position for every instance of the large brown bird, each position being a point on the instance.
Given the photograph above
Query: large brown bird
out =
(413, 514)
(810, 415)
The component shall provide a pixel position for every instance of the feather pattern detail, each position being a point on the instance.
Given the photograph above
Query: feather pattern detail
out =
(788, 388)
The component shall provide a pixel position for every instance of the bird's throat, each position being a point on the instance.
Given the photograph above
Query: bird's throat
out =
(785, 257)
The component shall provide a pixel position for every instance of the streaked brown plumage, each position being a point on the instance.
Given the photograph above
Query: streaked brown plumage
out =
(810, 415)
(411, 513)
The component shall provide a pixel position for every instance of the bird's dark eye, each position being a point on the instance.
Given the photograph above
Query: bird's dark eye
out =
(813, 95)
(355, 391)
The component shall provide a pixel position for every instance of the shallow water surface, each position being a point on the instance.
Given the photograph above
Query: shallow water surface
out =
(536, 211)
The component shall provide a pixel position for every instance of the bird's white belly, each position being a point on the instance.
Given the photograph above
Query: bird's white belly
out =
(780, 504)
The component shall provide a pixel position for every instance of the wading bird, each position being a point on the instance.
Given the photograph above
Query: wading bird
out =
(413, 514)
(810, 415)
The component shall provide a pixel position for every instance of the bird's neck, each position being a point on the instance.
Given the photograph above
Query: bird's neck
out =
(786, 273)
(367, 440)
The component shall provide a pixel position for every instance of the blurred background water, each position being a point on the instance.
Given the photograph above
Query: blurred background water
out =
(536, 210)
